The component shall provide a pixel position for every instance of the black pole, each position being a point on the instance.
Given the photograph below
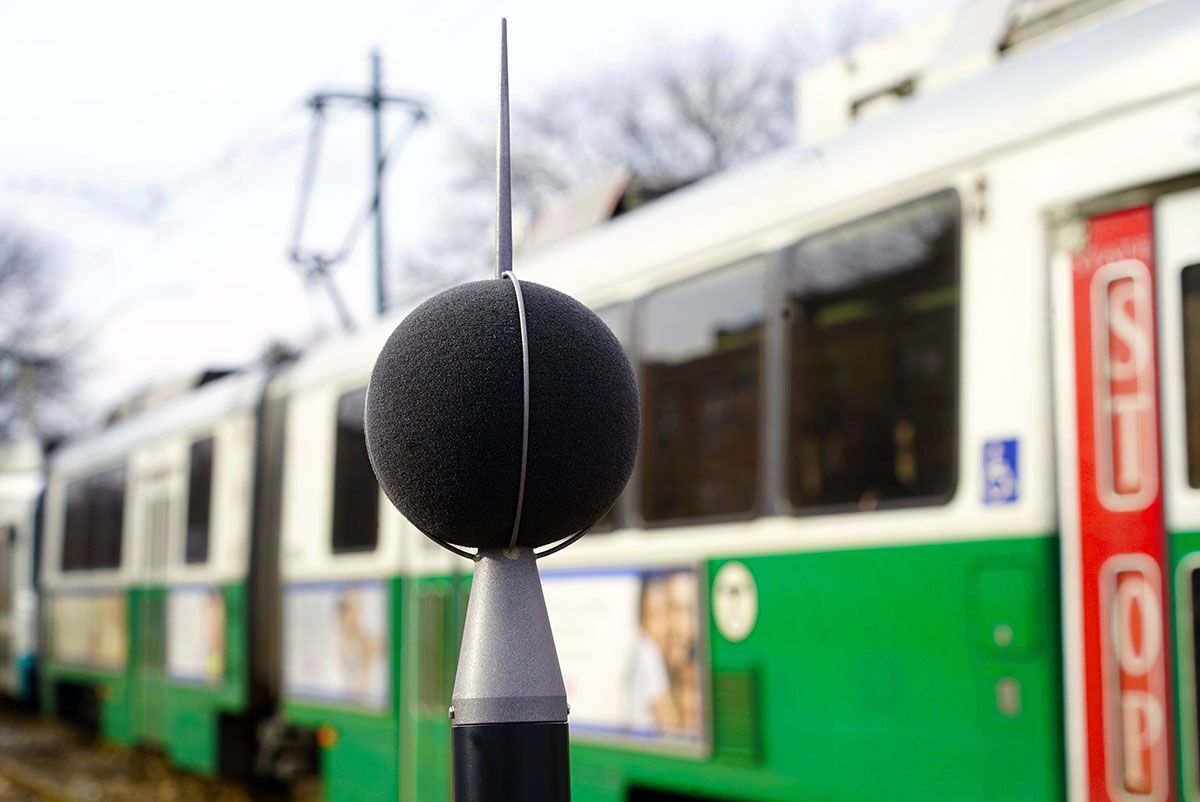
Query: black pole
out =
(519, 762)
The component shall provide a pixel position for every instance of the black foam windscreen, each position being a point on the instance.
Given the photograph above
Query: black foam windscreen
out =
(445, 405)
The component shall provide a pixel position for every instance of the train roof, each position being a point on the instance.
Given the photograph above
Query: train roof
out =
(1119, 65)
(193, 411)
(1127, 61)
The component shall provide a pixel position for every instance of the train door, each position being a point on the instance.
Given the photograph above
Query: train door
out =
(1115, 564)
(435, 643)
(155, 510)
(1177, 244)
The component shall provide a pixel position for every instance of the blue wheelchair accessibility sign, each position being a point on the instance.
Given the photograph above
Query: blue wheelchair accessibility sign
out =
(1001, 481)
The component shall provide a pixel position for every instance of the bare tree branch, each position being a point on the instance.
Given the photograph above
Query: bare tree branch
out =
(670, 118)
(35, 367)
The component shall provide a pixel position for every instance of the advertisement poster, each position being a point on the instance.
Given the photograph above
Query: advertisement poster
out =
(630, 644)
(196, 634)
(335, 643)
(90, 629)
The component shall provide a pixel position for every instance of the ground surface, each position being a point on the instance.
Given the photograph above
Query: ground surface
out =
(42, 759)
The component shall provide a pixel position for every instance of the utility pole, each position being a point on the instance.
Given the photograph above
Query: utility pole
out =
(318, 264)
(26, 366)
(377, 171)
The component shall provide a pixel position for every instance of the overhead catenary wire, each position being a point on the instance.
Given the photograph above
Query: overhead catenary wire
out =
(317, 264)
(416, 38)
(241, 160)
(367, 208)
(307, 179)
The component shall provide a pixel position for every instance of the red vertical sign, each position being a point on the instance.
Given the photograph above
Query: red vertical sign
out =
(1122, 542)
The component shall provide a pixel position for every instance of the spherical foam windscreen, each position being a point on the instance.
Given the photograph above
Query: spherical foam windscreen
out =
(445, 406)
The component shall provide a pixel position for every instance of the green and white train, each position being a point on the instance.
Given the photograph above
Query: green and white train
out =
(22, 474)
(916, 515)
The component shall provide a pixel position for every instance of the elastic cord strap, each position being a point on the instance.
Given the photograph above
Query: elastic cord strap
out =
(508, 274)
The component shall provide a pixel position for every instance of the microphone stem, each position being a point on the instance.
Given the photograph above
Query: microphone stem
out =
(504, 246)
(509, 716)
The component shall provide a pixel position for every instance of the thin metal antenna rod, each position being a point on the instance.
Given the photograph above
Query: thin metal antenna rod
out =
(503, 166)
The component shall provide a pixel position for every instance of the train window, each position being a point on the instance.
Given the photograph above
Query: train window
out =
(94, 521)
(199, 502)
(75, 528)
(1191, 367)
(700, 348)
(355, 492)
(8, 546)
(616, 317)
(872, 313)
(108, 517)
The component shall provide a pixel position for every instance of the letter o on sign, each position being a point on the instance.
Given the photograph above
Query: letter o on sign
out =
(1137, 614)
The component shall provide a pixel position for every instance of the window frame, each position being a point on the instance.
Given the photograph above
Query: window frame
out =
(781, 312)
(768, 264)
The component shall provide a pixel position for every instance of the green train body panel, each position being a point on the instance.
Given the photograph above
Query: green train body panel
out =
(361, 758)
(141, 704)
(26, 674)
(113, 692)
(427, 764)
(149, 686)
(183, 717)
(870, 674)
(877, 674)
(1182, 551)
(113, 687)
(921, 672)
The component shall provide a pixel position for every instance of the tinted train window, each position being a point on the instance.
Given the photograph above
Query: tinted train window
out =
(75, 527)
(616, 317)
(199, 504)
(872, 314)
(108, 517)
(355, 492)
(700, 349)
(94, 521)
(1191, 368)
(8, 545)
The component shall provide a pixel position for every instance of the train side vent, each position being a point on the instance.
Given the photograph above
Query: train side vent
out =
(736, 715)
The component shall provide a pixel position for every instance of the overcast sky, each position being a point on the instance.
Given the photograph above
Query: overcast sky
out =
(157, 146)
